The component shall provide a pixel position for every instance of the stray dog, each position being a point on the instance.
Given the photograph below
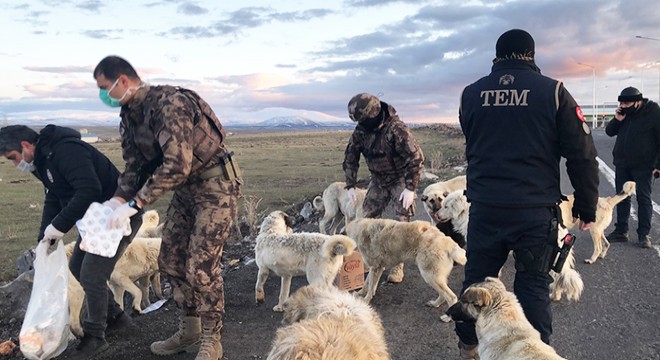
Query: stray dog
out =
(456, 209)
(502, 329)
(75, 296)
(433, 197)
(604, 212)
(385, 243)
(317, 256)
(328, 323)
(138, 263)
(150, 225)
(434, 194)
(335, 201)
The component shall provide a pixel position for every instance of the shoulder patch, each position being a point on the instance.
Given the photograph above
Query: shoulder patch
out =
(579, 113)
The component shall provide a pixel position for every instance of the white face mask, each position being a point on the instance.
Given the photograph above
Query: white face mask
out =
(26, 166)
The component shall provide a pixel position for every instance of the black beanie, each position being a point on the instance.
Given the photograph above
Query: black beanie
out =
(515, 41)
(630, 94)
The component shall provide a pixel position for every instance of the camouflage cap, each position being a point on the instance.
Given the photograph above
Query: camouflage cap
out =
(363, 106)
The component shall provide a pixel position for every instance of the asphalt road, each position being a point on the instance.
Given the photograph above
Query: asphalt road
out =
(618, 315)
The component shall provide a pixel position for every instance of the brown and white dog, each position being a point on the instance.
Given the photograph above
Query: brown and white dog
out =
(503, 331)
(385, 243)
(327, 323)
(456, 209)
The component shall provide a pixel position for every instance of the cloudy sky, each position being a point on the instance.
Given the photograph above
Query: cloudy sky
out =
(253, 59)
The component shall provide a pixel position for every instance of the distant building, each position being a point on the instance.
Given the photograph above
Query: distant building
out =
(88, 137)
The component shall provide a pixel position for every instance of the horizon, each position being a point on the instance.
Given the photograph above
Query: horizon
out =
(257, 60)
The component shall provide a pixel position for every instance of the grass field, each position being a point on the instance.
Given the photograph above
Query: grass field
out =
(280, 169)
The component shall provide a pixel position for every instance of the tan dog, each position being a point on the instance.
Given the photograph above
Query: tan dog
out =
(456, 209)
(328, 323)
(434, 194)
(138, 263)
(503, 331)
(384, 243)
(604, 211)
(75, 296)
(150, 225)
(317, 256)
(335, 201)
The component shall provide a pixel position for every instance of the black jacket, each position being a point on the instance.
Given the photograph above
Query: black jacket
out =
(517, 124)
(74, 173)
(637, 138)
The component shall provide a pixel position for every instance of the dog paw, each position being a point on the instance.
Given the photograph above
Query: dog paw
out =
(445, 318)
(433, 303)
(589, 261)
(278, 308)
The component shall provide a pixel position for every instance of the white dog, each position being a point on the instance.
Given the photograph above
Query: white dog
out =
(328, 323)
(384, 243)
(456, 208)
(434, 194)
(317, 256)
(335, 201)
(503, 331)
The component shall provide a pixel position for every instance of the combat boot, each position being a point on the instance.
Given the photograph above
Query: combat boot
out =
(396, 274)
(210, 347)
(186, 339)
(468, 352)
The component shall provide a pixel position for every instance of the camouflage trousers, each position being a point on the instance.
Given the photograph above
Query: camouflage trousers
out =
(382, 196)
(198, 223)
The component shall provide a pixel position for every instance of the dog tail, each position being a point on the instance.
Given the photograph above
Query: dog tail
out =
(338, 245)
(318, 203)
(628, 189)
(458, 255)
(150, 218)
(569, 280)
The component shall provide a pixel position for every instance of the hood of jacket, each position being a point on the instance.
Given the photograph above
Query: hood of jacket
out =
(50, 136)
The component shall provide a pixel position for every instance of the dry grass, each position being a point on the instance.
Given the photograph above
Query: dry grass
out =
(280, 169)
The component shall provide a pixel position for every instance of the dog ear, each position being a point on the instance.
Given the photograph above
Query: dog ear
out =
(424, 198)
(288, 220)
(477, 296)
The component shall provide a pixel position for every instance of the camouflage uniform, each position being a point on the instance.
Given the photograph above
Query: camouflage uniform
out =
(392, 154)
(178, 126)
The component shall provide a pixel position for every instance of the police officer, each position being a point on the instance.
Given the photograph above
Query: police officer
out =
(74, 175)
(517, 123)
(393, 157)
(636, 125)
(172, 140)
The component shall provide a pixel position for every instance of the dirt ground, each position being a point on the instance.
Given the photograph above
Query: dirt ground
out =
(413, 330)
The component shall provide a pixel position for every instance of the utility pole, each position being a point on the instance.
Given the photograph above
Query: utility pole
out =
(593, 101)
(653, 39)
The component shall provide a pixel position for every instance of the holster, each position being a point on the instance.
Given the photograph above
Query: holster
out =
(227, 168)
(541, 258)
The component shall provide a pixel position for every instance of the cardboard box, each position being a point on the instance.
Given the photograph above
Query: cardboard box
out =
(351, 273)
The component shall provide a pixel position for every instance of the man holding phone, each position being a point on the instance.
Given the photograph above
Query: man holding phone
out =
(636, 125)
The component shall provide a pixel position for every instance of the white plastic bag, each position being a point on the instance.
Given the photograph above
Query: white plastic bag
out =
(96, 237)
(45, 330)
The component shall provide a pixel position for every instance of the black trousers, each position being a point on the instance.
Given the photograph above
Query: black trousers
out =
(492, 233)
(93, 272)
(643, 177)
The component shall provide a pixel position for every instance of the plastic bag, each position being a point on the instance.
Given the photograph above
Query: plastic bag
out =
(97, 238)
(45, 329)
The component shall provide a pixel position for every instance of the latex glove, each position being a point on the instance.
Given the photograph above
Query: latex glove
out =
(120, 216)
(352, 196)
(407, 198)
(51, 234)
(113, 203)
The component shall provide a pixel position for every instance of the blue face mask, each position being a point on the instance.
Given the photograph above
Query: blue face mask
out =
(104, 95)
